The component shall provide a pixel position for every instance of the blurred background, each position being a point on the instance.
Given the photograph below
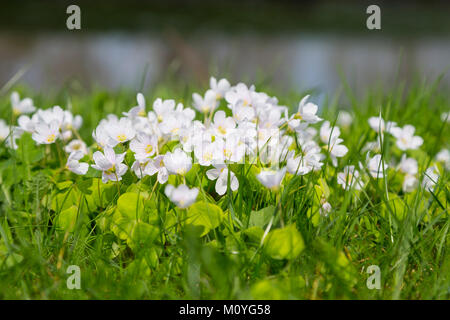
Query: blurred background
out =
(285, 44)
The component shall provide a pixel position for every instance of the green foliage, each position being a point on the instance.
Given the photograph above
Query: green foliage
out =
(205, 215)
(131, 242)
(285, 243)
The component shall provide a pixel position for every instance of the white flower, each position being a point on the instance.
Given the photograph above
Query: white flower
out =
(172, 125)
(163, 108)
(378, 124)
(344, 118)
(110, 164)
(74, 165)
(408, 165)
(243, 112)
(336, 150)
(26, 123)
(157, 166)
(141, 168)
(430, 178)
(139, 110)
(193, 136)
(444, 157)
(177, 162)
(121, 131)
(349, 178)
(307, 111)
(206, 104)
(270, 119)
(276, 150)
(270, 178)
(372, 146)
(232, 148)
(76, 145)
(410, 183)
(325, 209)
(328, 133)
(46, 133)
(445, 116)
(240, 94)
(405, 138)
(220, 88)
(377, 166)
(220, 172)
(306, 134)
(9, 136)
(208, 153)
(222, 124)
(4, 130)
(55, 114)
(68, 123)
(182, 196)
(144, 146)
(101, 136)
(21, 106)
(307, 161)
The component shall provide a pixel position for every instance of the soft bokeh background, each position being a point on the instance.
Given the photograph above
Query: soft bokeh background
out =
(286, 44)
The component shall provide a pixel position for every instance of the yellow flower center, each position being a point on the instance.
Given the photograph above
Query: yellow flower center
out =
(51, 138)
(149, 148)
(111, 170)
(298, 116)
(227, 153)
(121, 137)
(207, 156)
(222, 130)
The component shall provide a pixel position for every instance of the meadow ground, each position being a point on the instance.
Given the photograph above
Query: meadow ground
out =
(131, 241)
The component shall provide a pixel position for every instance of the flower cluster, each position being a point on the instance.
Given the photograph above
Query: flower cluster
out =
(228, 125)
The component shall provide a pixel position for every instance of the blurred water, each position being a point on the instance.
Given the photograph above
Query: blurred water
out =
(300, 61)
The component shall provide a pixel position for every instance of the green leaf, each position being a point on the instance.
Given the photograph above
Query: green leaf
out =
(64, 185)
(84, 185)
(254, 234)
(267, 290)
(68, 219)
(142, 236)
(131, 205)
(285, 243)
(205, 215)
(140, 268)
(122, 226)
(65, 200)
(27, 150)
(261, 217)
(322, 190)
(397, 205)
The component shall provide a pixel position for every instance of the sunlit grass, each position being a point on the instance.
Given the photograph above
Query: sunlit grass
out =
(364, 228)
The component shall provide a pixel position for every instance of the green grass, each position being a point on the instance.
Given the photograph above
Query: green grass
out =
(407, 237)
